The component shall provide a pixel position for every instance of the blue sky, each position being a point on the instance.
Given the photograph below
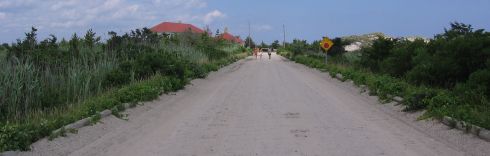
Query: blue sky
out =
(304, 19)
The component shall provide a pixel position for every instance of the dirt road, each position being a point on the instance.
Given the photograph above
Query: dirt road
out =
(265, 108)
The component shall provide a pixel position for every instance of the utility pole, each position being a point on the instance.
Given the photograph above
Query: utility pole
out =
(284, 31)
(249, 38)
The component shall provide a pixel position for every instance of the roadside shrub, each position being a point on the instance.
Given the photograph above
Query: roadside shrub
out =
(211, 67)
(418, 99)
(338, 47)
(452, 56)
(117, 77)
(14, 137)
(134, 93)
(297, 47)
(480, 80)
(373, 56)
(400, 59)
(448, 75)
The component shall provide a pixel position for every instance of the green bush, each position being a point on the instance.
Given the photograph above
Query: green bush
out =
(447, 76)
(117, 77)
(400, 59)
(480, 81)
(198, 71)
(418, 99)
(14, 137)
(452, 56)
(211, 67)
(373, 56)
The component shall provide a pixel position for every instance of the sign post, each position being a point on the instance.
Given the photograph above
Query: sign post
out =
(326, 44)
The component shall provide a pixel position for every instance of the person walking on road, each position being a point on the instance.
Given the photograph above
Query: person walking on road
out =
(269, 53)
(261, 53)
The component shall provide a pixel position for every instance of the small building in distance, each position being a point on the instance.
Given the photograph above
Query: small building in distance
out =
(229, 37)
(172, 28)
(179, 27)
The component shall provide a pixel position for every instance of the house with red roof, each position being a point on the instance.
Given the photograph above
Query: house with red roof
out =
(171, 27)
(229, 37)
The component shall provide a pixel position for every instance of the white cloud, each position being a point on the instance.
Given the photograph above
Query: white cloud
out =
(211, 16)
(68, 16)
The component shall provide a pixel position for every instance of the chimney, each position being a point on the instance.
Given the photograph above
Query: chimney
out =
(226, 29)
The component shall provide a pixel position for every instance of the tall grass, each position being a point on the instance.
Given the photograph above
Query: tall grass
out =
(187, 52)
(37, 78)
(26, 88)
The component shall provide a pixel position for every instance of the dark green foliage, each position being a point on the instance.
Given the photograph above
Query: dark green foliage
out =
(373, 56)
(337, 48)
(446, 60)
(400, 59)
(275, 44)
(417, 100)
(198, 71)
(14, 137)
(150, 63)
(297, 47)
(90, 39)
(249, 42)
(448, 75)
(480, 81)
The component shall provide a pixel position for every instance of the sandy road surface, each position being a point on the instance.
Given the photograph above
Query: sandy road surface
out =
(266, 108)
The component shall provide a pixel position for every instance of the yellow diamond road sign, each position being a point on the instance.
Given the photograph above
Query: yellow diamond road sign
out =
(326, 44)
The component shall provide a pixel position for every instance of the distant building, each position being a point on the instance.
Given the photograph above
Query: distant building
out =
(229, 37)
(171, 28)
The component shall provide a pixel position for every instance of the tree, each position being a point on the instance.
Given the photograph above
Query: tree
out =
(337, 48)
(90, 39)
(263, 45)
(31, 40)
(457, 29)
(74, 44)
(374, 55)
(315, 46)
(401, 57)
(249, 42)
(298, 46)
(275, 44)
(452, 56)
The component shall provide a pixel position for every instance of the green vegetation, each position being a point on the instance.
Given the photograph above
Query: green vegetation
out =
(48, 84)
(275, 44)
(448, 75)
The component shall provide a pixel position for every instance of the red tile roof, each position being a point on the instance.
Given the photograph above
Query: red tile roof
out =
(229, 37)
(238, 40)
(170, 27)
